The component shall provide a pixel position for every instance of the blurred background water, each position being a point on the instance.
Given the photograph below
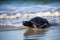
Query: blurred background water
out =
(17, 10)
(13, 12)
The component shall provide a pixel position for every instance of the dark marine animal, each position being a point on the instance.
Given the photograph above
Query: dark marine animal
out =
(37, 22)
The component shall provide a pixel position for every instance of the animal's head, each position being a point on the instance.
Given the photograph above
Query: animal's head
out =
(27, 23)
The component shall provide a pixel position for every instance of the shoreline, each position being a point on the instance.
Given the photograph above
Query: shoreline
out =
(12, 27)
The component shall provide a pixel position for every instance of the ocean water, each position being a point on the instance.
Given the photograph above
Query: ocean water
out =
(14, 12)
(18, 11)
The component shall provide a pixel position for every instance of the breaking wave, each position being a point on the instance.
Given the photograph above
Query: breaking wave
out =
(18, 12)
(40, 14)
(11, 14)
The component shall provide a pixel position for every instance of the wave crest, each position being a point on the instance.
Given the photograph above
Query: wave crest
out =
(40, 14)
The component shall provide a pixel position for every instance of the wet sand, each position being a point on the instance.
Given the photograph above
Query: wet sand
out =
(48, 34)
(12, 27)
(51, 33)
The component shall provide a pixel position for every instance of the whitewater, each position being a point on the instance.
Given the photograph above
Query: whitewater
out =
(15, 15)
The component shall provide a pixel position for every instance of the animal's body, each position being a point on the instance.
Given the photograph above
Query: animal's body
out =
(37, 22)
